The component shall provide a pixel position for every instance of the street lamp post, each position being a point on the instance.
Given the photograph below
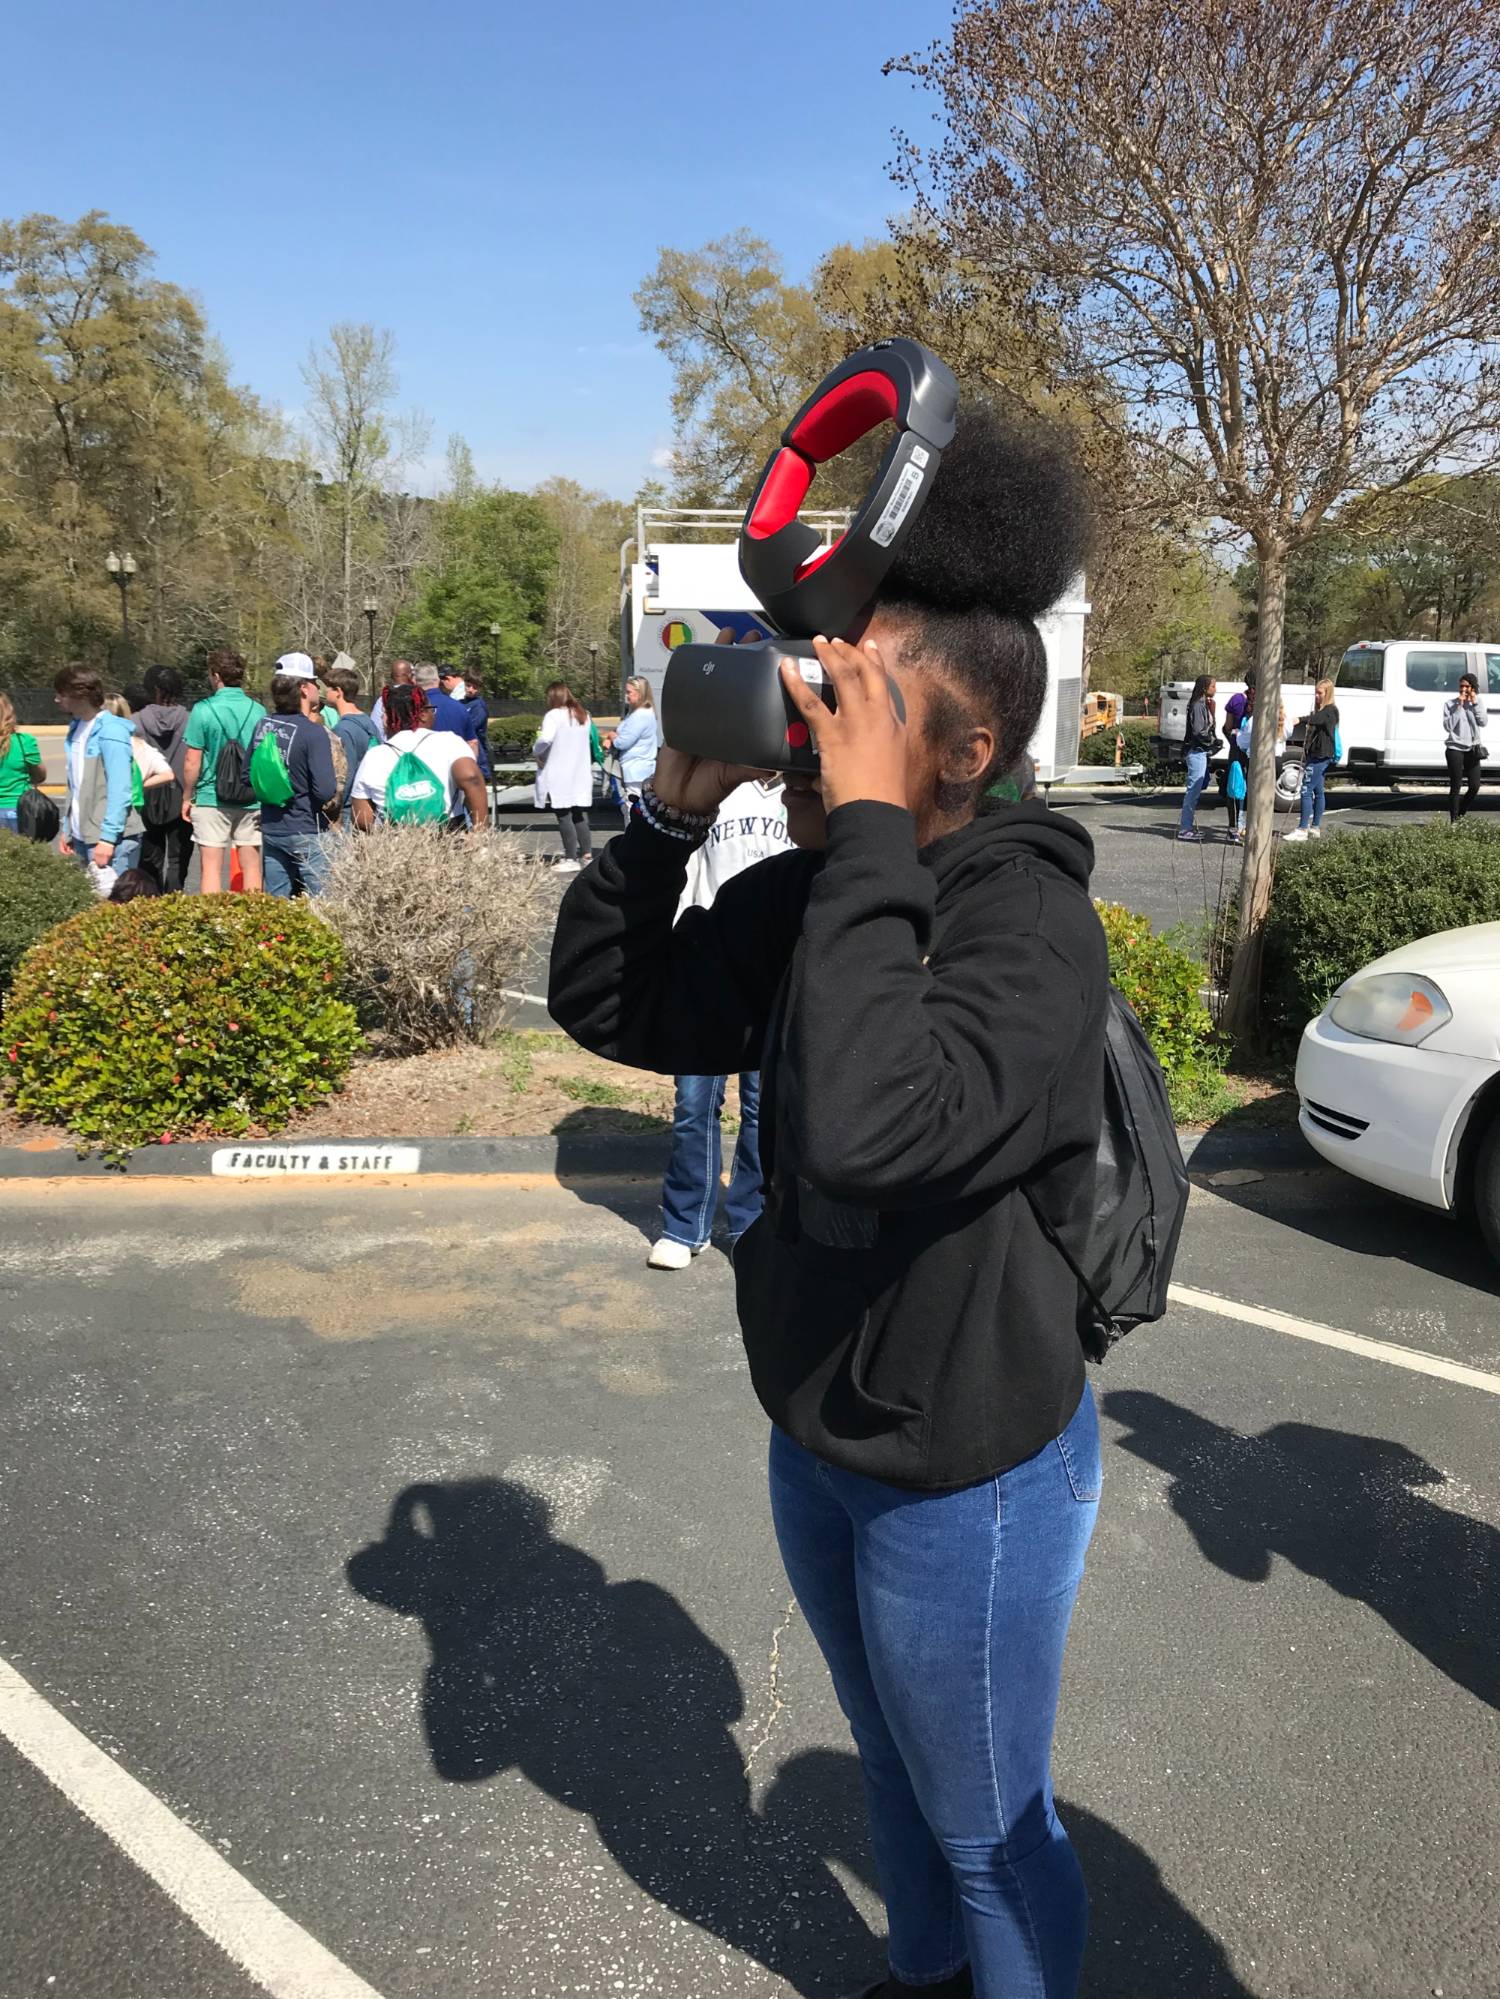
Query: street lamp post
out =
(495, 635)
(122, 569)
(594, 672)
(371, 607)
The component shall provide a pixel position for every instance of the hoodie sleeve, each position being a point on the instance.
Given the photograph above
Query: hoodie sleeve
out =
(692, 999)
(921, 1083)
(114, 754)
(321, 775)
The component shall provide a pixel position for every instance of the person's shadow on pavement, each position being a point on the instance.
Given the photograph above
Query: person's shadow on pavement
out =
(609, 1698)
(1347, 1510)
(1143, 1942)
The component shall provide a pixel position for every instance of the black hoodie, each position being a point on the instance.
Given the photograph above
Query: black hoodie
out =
(929, 1027)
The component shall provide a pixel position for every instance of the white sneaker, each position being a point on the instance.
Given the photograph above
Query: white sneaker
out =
(566, 867)
(1315, 832)
(1300, 834)
(669, 1255)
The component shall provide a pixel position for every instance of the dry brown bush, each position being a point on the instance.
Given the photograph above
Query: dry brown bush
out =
(434, 926)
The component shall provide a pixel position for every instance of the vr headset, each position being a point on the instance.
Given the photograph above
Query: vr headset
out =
(728, 702)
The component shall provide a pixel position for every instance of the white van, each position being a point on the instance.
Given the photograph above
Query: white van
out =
(1390, 695)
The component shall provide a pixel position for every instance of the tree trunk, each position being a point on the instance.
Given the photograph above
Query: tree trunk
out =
(348, 562)
(1242, 1009)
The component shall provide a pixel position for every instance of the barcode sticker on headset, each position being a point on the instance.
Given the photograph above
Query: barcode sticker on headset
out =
(897, 507)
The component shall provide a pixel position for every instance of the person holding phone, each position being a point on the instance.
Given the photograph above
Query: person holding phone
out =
(923, 986)
(1463, 746)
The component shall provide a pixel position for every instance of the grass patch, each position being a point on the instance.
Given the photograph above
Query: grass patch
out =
(516, 1047)
(584, 1090)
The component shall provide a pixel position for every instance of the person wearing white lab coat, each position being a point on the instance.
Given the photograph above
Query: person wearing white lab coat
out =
(565, 774)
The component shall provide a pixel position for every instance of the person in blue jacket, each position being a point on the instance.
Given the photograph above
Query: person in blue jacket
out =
(101, 828)
(636, 741)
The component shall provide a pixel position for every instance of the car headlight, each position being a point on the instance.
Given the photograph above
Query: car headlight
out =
(1392, 1006)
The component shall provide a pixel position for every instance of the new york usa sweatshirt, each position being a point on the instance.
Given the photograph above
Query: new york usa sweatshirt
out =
(929, 1028)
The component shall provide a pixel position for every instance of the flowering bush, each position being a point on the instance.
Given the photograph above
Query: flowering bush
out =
(177, 1017)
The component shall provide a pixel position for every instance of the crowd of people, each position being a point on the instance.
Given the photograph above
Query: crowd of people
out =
(255, 791)
(1318, 741)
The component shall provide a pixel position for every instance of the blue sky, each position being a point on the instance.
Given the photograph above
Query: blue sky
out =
(491, 183)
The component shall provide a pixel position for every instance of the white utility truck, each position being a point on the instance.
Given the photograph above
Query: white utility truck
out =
(680, 583)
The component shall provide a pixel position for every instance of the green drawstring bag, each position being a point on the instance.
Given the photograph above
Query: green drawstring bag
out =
(270, 779)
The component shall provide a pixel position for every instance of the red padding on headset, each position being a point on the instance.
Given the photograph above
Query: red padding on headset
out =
(818, 557)
(845, 413)
(782, 494)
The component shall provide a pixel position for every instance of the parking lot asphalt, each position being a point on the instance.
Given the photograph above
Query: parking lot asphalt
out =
(409, 1545)
(1138, 860)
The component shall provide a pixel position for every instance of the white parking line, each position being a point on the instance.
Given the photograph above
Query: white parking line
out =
(273, 1950)
(536, 999)
(1330, 1336)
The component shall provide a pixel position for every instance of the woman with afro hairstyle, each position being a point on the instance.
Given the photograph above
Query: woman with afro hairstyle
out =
(924, 990)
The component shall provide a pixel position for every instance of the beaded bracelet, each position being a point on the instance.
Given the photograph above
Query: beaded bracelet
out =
(673, 815)
(644, 812)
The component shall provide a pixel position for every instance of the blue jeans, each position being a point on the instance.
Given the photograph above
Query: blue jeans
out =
(690, 1191)
(1197, 771)
(295, 863)
(7, 819)
(127, 853)
(1314, 793)
(943, 1618)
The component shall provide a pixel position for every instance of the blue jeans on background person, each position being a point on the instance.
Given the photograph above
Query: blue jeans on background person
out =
(1314, 793)
(1197, 776)
(296, 864)
(943, 1618)
(8, 819)
(690, 1190)
(127, 853)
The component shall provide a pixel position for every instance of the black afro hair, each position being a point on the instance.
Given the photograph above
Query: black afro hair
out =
(1008, 523)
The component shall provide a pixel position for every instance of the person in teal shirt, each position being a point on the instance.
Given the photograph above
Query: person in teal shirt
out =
(228, 714)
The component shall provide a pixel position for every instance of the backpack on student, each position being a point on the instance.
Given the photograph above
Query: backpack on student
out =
(232, 784)
(37, 815)
(414, 795)
(1124, 1267)
(270, 780)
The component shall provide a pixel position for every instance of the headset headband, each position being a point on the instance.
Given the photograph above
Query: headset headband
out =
(804, 587)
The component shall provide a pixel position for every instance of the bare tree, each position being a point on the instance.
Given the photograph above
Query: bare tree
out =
(1267, 230)
(351, 384)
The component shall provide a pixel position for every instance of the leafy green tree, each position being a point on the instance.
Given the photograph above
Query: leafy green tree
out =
(492, 561)
(118, 428)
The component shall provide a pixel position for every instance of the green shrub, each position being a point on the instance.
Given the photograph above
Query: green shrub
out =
(1139, 733)
(178, 1017)
(1163, 984)
(514, 732)
(1099, 748)
(38, 888)
(1337, 903)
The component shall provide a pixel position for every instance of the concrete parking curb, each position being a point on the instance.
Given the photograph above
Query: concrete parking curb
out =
(561, 1157)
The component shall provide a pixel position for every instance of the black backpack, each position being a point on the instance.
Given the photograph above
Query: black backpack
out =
(1124, 1265)
(232, 783)
(37, 816)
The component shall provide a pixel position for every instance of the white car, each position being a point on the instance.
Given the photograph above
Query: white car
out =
(1399, 1076)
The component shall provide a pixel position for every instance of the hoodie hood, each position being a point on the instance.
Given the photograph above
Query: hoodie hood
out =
(962, 859)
